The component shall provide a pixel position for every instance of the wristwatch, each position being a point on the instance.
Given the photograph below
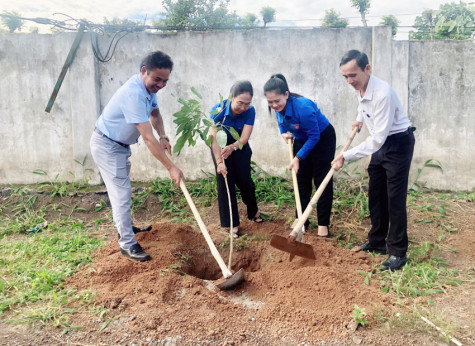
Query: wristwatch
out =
(235, 148)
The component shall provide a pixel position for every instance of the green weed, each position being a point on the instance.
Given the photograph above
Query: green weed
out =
(33, 268)
(359, 315)
(423, 275)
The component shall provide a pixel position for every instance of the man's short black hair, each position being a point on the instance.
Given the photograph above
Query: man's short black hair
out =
(155, 60)
(360, 57)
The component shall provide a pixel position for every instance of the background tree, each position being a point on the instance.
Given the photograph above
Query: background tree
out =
(120, 24)
(451, 21)
(268, 15)
(363, 8)
(12, 21)
(248, 21)
(424, 25)
(391, 21)
(332, 19)
(197, 14)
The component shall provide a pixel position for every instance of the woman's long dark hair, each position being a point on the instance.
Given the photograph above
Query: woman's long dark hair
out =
(278, 83)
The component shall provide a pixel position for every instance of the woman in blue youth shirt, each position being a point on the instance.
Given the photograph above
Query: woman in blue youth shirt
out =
(314, 144)
(232, 162)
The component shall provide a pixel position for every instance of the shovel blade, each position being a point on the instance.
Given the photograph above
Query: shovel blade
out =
(295, 248)
(232, 281)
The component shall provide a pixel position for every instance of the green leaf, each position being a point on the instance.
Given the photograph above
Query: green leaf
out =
(209, 140)
(105, 324)
(216, 111)
(179, 144)
(452, 25)
(196, 93)
(40, 172)
(235, 135)
(441, 210)
(222, 138)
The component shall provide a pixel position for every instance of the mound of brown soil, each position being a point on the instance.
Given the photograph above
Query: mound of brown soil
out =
(173, 297)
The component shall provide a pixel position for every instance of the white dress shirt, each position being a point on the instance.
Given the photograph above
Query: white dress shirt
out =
(382, 112)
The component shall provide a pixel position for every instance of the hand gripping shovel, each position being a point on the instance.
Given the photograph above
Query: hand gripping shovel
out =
(231, 280)
(300, 249)
(319, 192)
(297, 247)
(301, 232)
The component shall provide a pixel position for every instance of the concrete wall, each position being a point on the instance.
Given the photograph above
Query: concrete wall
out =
(435, 87)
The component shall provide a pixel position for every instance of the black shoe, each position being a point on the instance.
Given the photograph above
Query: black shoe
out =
(136, 253)
(376, 249)
(394, 263)
(138, 230)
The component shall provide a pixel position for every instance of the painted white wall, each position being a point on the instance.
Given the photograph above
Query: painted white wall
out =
(432, 79)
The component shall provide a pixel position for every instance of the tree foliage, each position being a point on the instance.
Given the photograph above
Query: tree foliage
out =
(452, 21)
(391, 21)
(248, 21)
(192, 123)
(120, 24)
(332, 19)
(12, 21)
(268, 15)
(363, 8)
(198, 14)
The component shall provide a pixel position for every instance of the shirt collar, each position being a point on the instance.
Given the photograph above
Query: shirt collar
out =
(368, 95)
(142, 87)
(289, 107)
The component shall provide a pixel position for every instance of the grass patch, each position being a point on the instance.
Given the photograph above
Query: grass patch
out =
(423, 275)
(34, 267)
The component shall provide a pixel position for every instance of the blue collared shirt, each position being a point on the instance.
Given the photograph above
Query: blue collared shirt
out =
(131, 104)
(304, 120)
(237, 122)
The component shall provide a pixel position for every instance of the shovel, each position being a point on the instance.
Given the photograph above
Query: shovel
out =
(230, 279)
(291, 244)
(293, 235)
(297, 247)
(297, 198)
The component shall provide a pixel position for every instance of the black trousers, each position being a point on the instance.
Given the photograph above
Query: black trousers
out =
(315, 167)
(388, 179)
(238, 165)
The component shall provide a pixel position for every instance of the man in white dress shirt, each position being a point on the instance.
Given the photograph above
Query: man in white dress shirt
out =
(391, 144)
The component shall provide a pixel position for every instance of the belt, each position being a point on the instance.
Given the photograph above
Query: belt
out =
(404, 133)
(96, 130)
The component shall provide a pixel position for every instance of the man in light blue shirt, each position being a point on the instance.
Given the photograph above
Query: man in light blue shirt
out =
(132, 112)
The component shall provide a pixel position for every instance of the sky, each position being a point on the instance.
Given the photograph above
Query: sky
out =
(288, 12)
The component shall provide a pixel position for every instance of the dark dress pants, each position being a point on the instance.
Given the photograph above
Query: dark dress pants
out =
(238, 165)
(388, 179)
(315, 167)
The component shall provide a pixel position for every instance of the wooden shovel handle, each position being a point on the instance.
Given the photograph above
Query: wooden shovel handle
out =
(226, 272)
(294, 180)
(323, 185)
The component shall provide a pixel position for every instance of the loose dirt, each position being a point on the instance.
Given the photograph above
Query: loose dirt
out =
(173, 299)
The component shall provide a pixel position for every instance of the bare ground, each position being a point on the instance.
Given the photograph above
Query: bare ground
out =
(172, 299)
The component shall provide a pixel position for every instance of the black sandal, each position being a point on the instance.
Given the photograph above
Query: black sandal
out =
(258, 219)
(237, 234)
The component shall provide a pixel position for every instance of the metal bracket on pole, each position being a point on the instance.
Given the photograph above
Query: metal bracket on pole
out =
(66, 65)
